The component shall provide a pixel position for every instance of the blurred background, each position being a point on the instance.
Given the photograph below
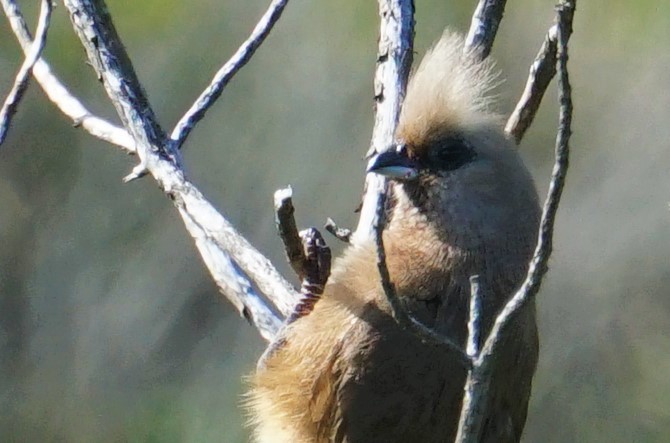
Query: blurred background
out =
(111, 329)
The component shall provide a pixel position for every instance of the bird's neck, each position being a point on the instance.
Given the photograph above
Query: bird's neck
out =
(431, 250)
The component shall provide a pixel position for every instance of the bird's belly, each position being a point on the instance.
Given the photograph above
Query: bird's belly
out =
(376, 382)
(398, 389)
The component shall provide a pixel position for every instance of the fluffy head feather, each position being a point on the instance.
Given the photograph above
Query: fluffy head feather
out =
(449, 90)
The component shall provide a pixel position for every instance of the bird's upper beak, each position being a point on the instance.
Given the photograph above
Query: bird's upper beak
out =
(394, 164)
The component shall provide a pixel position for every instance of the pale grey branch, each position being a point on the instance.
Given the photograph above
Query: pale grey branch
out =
(538, 265)
(221, 79)
(23, 76)
(58, 93)
(394, 60)
(484, 27)
(288, 230)
(229, 277)
(474, 317)
(479, 375)
(473, 412)
(542, 71)
(238, 268)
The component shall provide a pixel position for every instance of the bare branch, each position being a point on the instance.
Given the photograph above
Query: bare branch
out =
(479, 375)
(58, 93)
(244, 53)
(215, 237)
(233, 281)
(475, 317)
(484, 26)
(538, 265)
(93, 25)
(394, 59)
(342, 234)
(473, 410)
(399, 312)
(235, 265)
(23, 76)
(288, 231)
(542, 71)
(483, 29)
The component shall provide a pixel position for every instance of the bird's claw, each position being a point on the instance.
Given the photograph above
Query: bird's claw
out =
(316, 269)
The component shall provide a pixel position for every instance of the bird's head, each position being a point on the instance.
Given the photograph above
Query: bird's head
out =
(452, 166)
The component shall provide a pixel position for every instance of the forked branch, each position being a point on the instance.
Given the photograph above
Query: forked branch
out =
(23, 76)
(238, 268)
(244, 275)
(476, 388)
(68, 104)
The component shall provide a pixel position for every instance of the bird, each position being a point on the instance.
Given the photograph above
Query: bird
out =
(460, 202)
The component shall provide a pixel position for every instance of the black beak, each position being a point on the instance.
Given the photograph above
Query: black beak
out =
(394, 164)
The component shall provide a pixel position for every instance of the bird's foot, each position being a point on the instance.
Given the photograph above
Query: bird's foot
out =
(316, 270)
(315, 273)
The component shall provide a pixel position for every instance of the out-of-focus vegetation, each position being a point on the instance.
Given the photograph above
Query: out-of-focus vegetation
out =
(111, 329)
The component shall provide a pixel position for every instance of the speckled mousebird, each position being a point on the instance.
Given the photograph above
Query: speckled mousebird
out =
(461, 203)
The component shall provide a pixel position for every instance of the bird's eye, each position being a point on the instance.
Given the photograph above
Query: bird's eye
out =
(452, 153)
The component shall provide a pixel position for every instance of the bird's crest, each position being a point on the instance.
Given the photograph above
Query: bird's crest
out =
(450, 89)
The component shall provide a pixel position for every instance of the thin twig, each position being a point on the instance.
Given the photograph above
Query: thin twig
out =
(342, 234)
(288, 231)
(479, 375)
(542, 71)
(478, 380)
(243, 54)
(59, 94)
(211, 229)
(484, 27)
(538, 265)
(23, 76)
(394, 59)
(474, 317)
(399, 312)
(307, 253)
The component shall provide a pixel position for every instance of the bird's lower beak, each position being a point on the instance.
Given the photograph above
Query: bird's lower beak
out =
(394, 164)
